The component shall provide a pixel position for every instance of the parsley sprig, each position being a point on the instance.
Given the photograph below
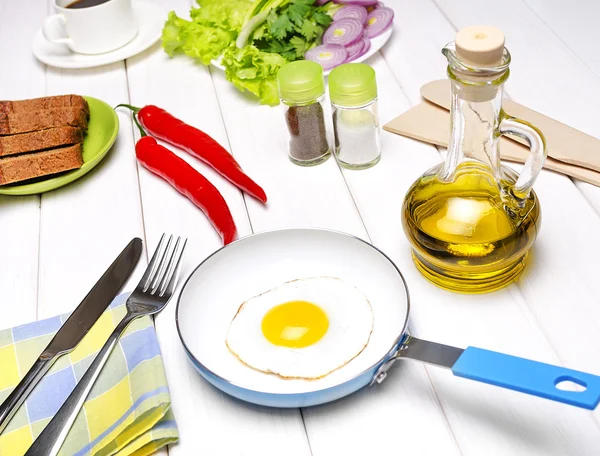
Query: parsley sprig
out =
(292, 29)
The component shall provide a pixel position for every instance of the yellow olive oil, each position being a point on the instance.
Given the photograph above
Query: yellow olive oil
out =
(469, 235)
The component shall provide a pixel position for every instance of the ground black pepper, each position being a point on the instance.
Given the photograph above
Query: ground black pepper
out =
(308, 135)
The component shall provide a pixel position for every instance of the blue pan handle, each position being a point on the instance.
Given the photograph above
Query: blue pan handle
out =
(512, 372)
(526, 376)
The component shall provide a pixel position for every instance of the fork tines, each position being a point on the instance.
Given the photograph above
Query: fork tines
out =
(162, 272)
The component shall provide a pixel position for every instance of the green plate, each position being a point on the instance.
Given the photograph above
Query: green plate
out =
(101, 134)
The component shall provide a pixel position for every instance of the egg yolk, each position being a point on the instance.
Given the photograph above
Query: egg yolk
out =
(295, 324)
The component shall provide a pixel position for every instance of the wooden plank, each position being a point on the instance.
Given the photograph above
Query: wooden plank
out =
(19, 216)
(19, 231)
(545, 74)
(209, 421)
(86, 224)
(478, 414)
(318, 197)
(298, 196)
(566, 214)
(420, 33)
(403, 410)
(432, 31)
(479, 417)
(575, 27)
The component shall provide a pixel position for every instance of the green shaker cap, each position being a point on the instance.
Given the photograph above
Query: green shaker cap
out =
(352, 85)
(301, 81)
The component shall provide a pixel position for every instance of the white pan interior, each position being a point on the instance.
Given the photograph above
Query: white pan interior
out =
(252, 265)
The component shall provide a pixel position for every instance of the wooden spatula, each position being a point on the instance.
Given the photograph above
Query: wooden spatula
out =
(565, 144)
(430, 123)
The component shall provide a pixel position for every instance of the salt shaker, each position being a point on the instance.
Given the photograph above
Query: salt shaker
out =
(353, 93)
(302, 91)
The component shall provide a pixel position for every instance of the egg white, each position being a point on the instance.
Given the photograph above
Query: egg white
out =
(350, 325)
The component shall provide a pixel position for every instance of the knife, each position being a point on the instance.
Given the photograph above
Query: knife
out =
(75, 328)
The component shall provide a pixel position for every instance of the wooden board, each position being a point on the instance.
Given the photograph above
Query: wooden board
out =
(55, 247)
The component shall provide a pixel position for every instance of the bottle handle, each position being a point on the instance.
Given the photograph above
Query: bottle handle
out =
(538, 152)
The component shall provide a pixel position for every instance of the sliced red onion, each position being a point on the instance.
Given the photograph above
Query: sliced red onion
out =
(378, 21)
(352, 12)
(375, 6)
(327, 55)
(356, 2)
(358, 49)
(345, 32)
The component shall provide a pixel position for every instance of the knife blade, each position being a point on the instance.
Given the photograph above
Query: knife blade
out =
(76, 327)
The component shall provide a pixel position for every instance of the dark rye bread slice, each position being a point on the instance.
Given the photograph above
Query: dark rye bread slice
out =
(29, 166)
(27, 121)
(40, 140)
(38, 104)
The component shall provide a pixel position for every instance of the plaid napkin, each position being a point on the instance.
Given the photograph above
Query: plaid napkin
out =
(128, 409)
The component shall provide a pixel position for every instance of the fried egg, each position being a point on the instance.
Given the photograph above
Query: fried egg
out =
(304, 329)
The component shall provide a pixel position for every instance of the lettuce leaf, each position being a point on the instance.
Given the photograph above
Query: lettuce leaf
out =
(225, 14)
(201, 42)
(174, 34)
(253, 70)
(214, 25)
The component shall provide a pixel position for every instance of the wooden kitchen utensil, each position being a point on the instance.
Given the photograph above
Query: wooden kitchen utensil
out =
(565, 143)
(430, 123)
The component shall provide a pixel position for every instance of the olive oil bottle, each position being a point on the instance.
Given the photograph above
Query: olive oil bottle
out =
(470, 220)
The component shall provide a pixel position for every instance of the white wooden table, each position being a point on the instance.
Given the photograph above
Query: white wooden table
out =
(53, 248)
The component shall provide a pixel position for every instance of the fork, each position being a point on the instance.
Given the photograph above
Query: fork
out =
(149, 297)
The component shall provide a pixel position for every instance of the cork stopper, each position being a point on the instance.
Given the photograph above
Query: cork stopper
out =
(480, 46)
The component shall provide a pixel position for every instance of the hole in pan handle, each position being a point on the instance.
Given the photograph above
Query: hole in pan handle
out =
(511, 372)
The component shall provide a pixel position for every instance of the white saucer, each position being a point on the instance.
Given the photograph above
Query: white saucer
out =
(150, 22)
(376, 44)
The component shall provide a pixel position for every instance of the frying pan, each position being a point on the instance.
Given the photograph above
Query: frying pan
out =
(213, 293)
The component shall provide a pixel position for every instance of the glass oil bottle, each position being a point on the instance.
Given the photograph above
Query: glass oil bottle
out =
(470, 220)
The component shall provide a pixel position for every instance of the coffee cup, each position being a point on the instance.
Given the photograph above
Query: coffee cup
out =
(91, 26)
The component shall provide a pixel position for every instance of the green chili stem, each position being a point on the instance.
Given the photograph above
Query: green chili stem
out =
(135, 119)
(137, 122)
(123, 105)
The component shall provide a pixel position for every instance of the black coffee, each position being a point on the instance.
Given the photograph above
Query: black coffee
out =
(77, 4)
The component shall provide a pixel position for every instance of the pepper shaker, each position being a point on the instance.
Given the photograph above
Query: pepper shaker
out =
(353, 93)
(302, 91)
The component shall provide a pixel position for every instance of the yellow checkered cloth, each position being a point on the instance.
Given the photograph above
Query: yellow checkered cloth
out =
(128, 410)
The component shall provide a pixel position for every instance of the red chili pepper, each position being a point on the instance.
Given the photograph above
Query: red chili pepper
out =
(189, 182)
(164, 126)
